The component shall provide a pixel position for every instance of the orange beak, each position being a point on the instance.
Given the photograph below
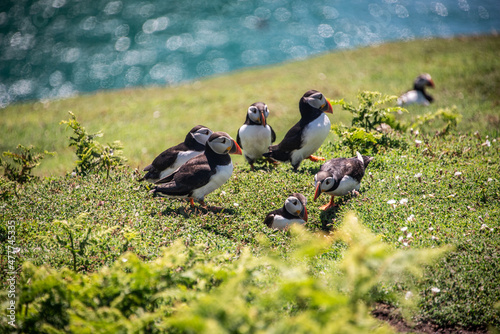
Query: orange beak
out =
(236, 149)
(327, 107)
(318, 190)
(262, 119)
(431, 83)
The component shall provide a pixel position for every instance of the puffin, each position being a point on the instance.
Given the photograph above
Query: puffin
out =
(305, 137)
(418, 95)
(255, 135)
(175, 156)
(340, 176)
(294, 211)
(202, 174)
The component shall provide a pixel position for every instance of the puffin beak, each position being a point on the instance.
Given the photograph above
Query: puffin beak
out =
(235, 148)
(262, 119)
(318, 190)
(431, 83)
(327, 107)
(303, 214)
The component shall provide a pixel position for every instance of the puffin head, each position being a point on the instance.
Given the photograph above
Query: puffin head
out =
(422, 81)
(258, 113)
(222, 143)
(295, 204)
(324, 183)
(201, 133)
(317, 100)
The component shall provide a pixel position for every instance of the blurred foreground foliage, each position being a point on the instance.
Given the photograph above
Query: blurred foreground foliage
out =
(190, 290)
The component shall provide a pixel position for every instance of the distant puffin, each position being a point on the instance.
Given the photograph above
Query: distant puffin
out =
(255, 135)
(293, 212)
(340, 176)
(172, 158)
(305, 137)
(202, 174)
(418, 95)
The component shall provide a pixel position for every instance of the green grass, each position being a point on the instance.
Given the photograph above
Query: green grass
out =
(456, 200)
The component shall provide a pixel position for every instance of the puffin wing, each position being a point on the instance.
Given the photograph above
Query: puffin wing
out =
(270, 218)
(192, 175)
(273, 135)
(292, 139)
(238, 140)
(167, 158)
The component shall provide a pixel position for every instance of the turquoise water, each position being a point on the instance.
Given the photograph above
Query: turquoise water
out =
(58, 48)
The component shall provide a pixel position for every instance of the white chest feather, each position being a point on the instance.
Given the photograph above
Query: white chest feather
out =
(347, 184)
(313, 136)
(281, 223)
(222, 174)
(182, 158)
(255, 140)
(413, 97)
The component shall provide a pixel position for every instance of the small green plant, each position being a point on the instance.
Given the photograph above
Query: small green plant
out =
(92, 155)
(450, 116)
(365, 133)
(19, 170)
(370, 114)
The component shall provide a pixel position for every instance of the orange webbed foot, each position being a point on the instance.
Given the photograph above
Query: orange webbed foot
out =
(315, 158)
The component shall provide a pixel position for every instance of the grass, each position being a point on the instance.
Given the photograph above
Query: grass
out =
(455, 200)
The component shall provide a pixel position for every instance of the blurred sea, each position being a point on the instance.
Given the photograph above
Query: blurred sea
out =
(58, 48)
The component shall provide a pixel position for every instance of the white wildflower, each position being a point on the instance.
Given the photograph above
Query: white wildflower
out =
(404, 229)
(408, 295)
(73, 174)
(487, 143)
(490, 179)
(223, 193)
(391, 201)
(434, 238)
(236, 205)
(418, 175)
(403, 201)
(436, 290)
(431, 229)
(411, 218)
(484, 226)
(400, 239)
(156, 114)
(409, 235)
(397, 177)
(458, 173)
(124, 260)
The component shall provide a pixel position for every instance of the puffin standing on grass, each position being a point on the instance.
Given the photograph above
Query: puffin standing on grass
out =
(340, 176)
(418, 95)
(255, 135)
(305, 137)
(202, 174)
(171, 159)
(294, 211)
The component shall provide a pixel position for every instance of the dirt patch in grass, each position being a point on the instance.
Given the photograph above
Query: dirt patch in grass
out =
(391, 315)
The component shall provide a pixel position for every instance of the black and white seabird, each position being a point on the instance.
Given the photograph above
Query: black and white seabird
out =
(172, 158)
(255, 135)
(202, 174)
(418, 95)
(294, 211)
(305, 137)
(340, 176)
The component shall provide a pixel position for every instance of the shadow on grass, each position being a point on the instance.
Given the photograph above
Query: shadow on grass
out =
(187, 211)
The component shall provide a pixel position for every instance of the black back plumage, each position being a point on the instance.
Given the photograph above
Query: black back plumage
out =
(340, 167)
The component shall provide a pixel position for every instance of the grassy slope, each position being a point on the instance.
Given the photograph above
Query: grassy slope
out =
(124, 216)
(466, 73)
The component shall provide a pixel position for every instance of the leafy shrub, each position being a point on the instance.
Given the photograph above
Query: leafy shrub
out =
(19, 170)
(92, 155)
(190, 290)
(365, 134)
(450, 117)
